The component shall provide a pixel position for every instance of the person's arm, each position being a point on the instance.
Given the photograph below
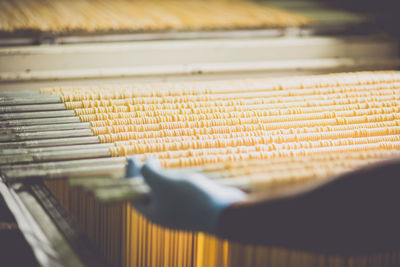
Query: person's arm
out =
(356, 212)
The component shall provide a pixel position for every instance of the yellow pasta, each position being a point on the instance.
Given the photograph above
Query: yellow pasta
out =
(151, 15)
(266, 133)
(385, 89)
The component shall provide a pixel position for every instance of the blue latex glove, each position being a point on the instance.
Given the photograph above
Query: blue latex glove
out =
(184, 200)
(132, 169)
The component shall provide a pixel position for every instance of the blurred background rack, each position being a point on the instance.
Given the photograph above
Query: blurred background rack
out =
(335, 40)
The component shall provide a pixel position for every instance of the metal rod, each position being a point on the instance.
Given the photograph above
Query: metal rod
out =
(45, 135)
(79, 171)
(46, 127)
(64, 164)
(89, 183)
(19, 93)
(31, 108)
(56, 156)
(30, 100)
(50, 142)
(119, 194)
(21, 151)
(177, 35)
(32, 122)
(37, 115)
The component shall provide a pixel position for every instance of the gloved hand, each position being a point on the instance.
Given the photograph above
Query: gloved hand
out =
(184, 200)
